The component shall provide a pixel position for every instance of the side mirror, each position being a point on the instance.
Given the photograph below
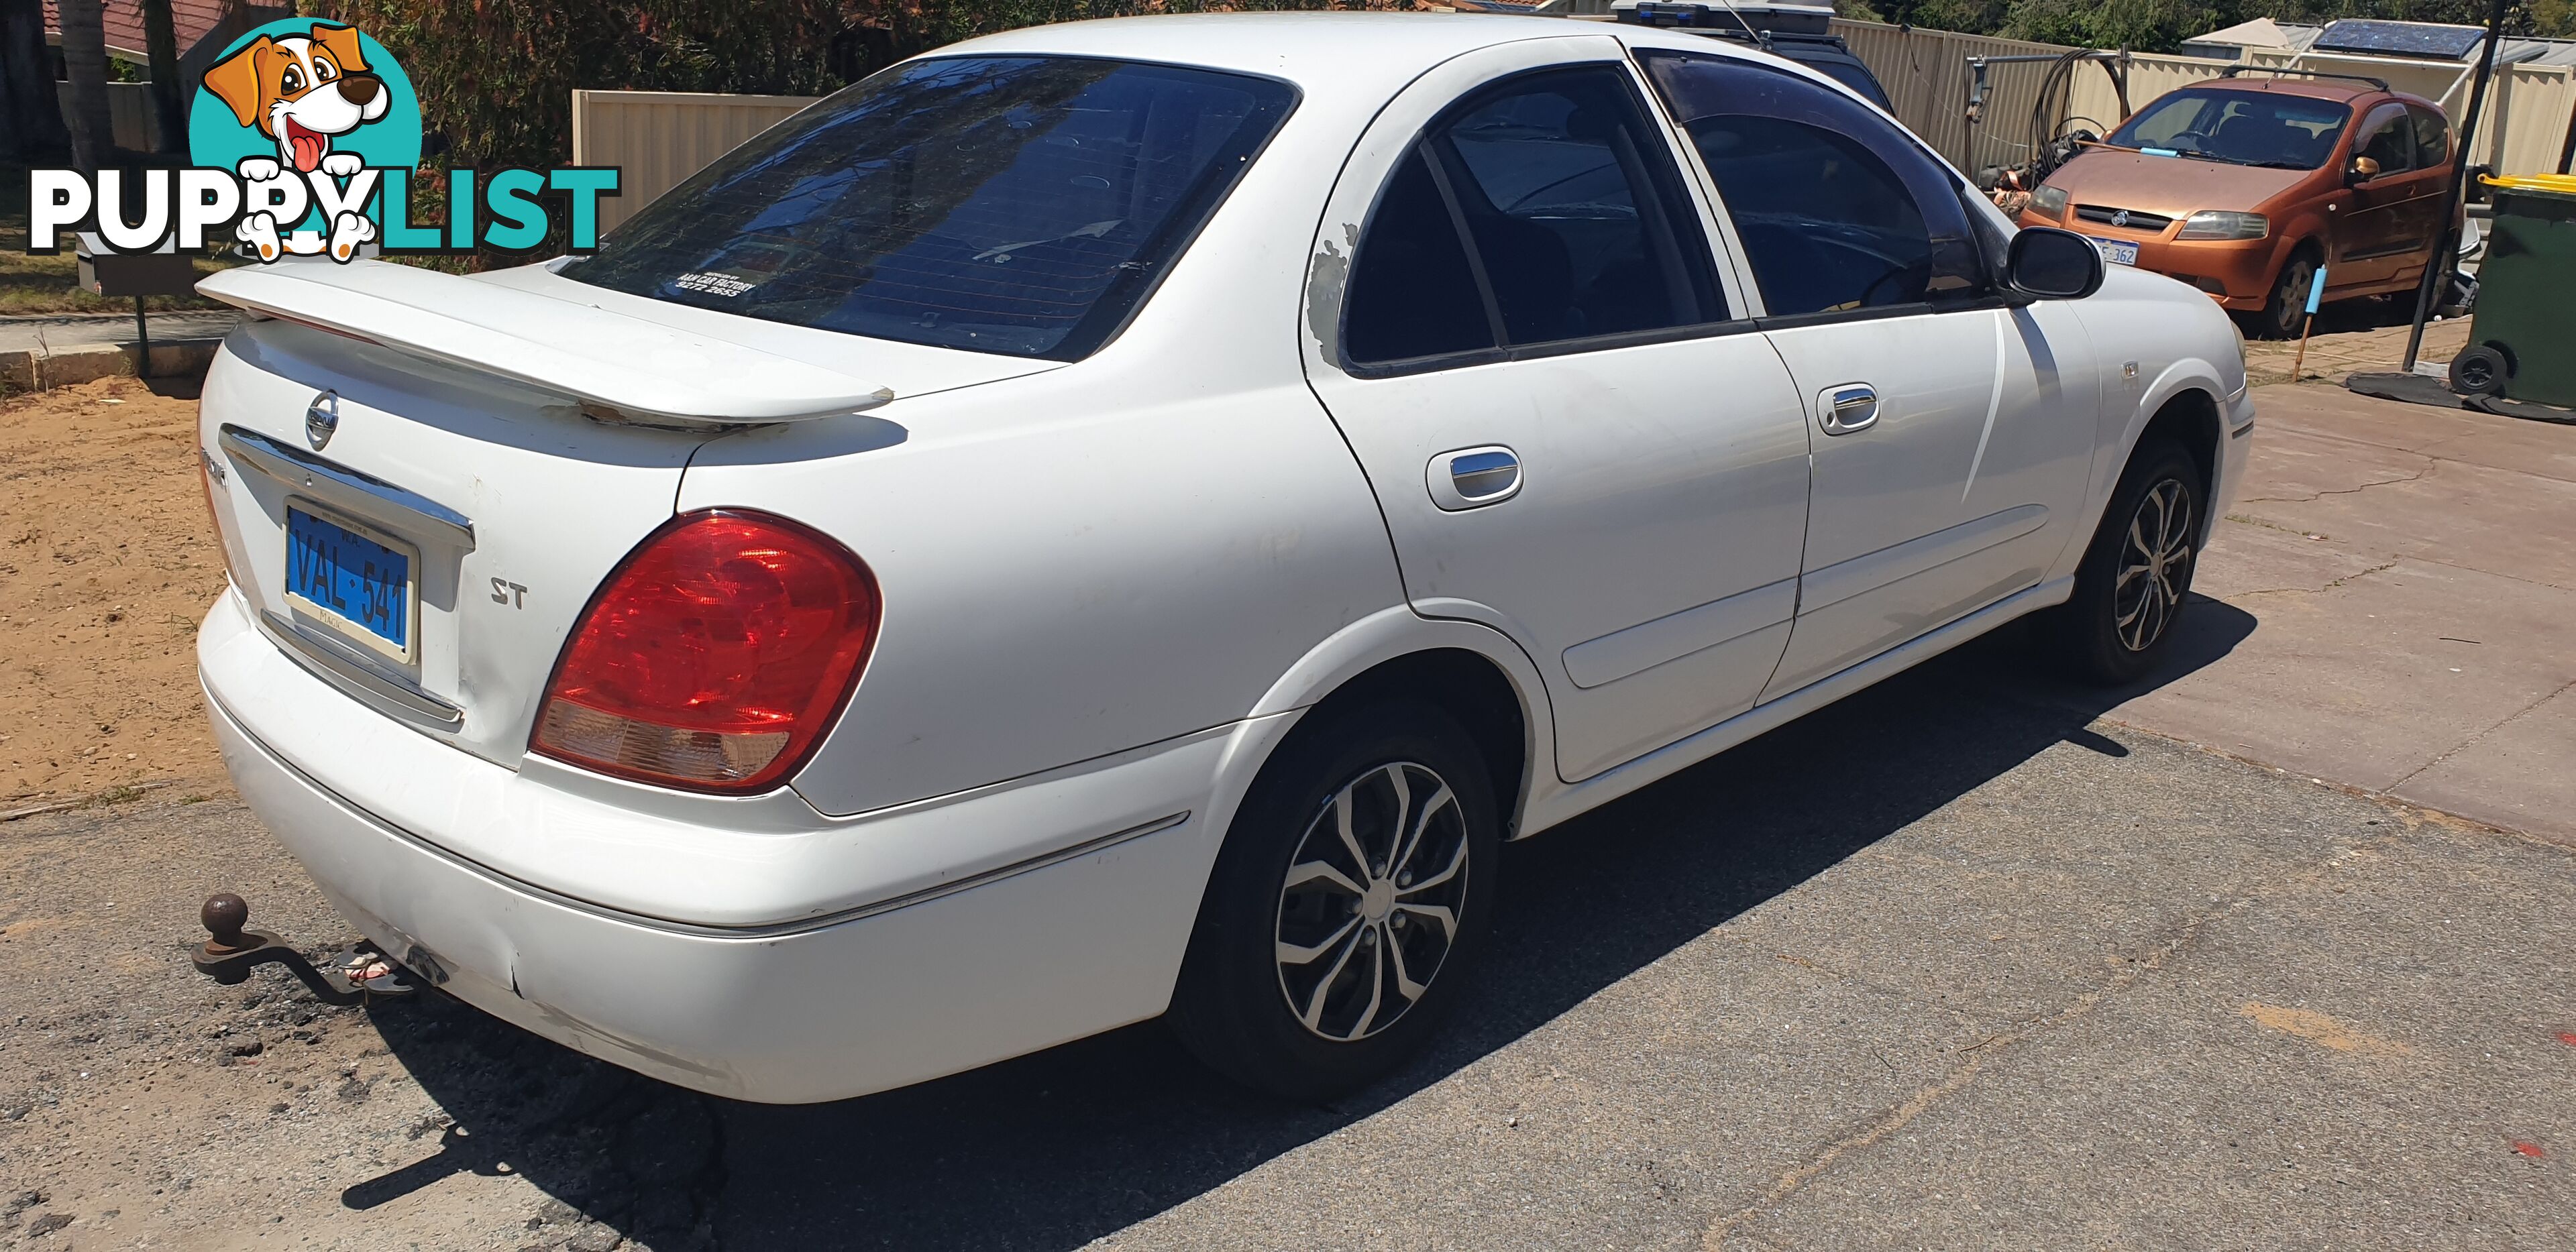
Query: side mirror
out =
(2053, 264)
(2363, 169)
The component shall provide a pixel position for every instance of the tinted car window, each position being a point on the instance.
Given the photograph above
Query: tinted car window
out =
(2388, 138)
(2238, 127)
(1019, 205)
(1563, 198)
(1851, 74)
(1412, 294)
(1837, 209)
(2432, 137)
(1575, 226)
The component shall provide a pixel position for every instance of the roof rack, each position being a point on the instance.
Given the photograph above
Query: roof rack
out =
(2234, 70)
(1752, 17)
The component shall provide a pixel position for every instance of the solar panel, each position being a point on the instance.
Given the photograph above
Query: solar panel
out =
(2422, 40)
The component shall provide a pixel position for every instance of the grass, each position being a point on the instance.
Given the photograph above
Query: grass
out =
(114, 795)
(51, 284)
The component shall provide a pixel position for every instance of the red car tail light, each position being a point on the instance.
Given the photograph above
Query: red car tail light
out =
(715, 656)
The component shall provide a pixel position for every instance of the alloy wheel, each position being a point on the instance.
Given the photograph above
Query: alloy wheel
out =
(2290, 300)
(2155, 566)
(1370, 903)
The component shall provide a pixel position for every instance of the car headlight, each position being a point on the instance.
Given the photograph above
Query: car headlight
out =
(2049, 200)
(2221, 224)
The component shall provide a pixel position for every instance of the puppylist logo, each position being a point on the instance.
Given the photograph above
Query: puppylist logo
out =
(304, 137)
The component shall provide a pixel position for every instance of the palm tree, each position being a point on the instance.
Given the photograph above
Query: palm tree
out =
(85, 63)
(31, 115)
(161, 42)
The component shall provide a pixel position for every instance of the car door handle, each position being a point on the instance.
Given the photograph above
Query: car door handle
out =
(1847, 408)
(1471, 478)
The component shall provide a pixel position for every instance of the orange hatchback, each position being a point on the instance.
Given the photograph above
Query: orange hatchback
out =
(2242, 187)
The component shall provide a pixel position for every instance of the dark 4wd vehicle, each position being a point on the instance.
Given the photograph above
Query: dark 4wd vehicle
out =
(1796, 32)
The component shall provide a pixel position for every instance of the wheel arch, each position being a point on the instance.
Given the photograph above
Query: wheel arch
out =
(2189, 417)
(2303, 235)
(2182, 403)
(1475, 673)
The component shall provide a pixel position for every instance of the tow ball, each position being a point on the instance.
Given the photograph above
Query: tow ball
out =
(352, 976)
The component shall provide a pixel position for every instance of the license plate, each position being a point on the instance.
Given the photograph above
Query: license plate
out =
(356, 581)
(2116, 251)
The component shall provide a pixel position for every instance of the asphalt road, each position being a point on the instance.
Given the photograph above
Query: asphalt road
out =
(1951, 964)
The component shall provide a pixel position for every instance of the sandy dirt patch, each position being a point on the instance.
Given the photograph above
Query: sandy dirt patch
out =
(107, 563)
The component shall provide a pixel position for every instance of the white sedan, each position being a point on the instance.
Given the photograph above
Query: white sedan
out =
(1119, 519)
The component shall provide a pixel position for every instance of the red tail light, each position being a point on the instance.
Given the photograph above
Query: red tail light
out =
(715, 657)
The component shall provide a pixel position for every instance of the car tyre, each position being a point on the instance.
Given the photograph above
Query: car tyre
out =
(1323, 962)
(2135, 577)
(2288, 304)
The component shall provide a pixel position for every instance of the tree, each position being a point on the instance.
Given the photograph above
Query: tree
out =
(31, 114)
(161, 42)
(85, 63)
(496, 80)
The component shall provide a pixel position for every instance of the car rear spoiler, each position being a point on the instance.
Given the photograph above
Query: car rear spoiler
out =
(621, 368)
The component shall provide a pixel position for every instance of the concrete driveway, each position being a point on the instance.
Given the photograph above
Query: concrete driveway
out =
(1972, 959)
(2408, 580)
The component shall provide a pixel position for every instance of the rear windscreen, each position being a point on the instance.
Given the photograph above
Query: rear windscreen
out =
(1019, 205)
(1854, 75)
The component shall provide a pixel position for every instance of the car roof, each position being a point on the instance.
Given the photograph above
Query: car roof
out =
(1371, 54)
(2339, 89)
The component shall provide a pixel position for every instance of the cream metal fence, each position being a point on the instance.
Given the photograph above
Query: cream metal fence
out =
(658, 138)
(1927, 78)
(2524, 130)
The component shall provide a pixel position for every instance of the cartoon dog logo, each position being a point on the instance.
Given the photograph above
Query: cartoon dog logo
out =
(301, 90)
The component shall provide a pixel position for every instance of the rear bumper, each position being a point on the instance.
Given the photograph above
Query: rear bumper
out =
(915, 985)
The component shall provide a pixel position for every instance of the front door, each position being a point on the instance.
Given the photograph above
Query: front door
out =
(1951, 429)
(1573, 438)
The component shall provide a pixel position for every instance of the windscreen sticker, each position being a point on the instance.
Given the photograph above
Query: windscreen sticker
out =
(713, 283)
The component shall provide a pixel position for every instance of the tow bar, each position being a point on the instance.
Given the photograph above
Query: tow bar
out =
(353, 976)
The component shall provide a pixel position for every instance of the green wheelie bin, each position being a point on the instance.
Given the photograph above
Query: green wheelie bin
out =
(2525, 322)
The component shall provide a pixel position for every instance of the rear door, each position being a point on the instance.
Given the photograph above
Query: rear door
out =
(2427, 209)
(1572, 434)
(2380, 234)
(1951, 428)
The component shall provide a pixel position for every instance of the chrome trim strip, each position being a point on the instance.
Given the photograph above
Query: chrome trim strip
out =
(1636, 649)
(344, 666)
(1822, 588)
(773, 930)
(359, 493)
